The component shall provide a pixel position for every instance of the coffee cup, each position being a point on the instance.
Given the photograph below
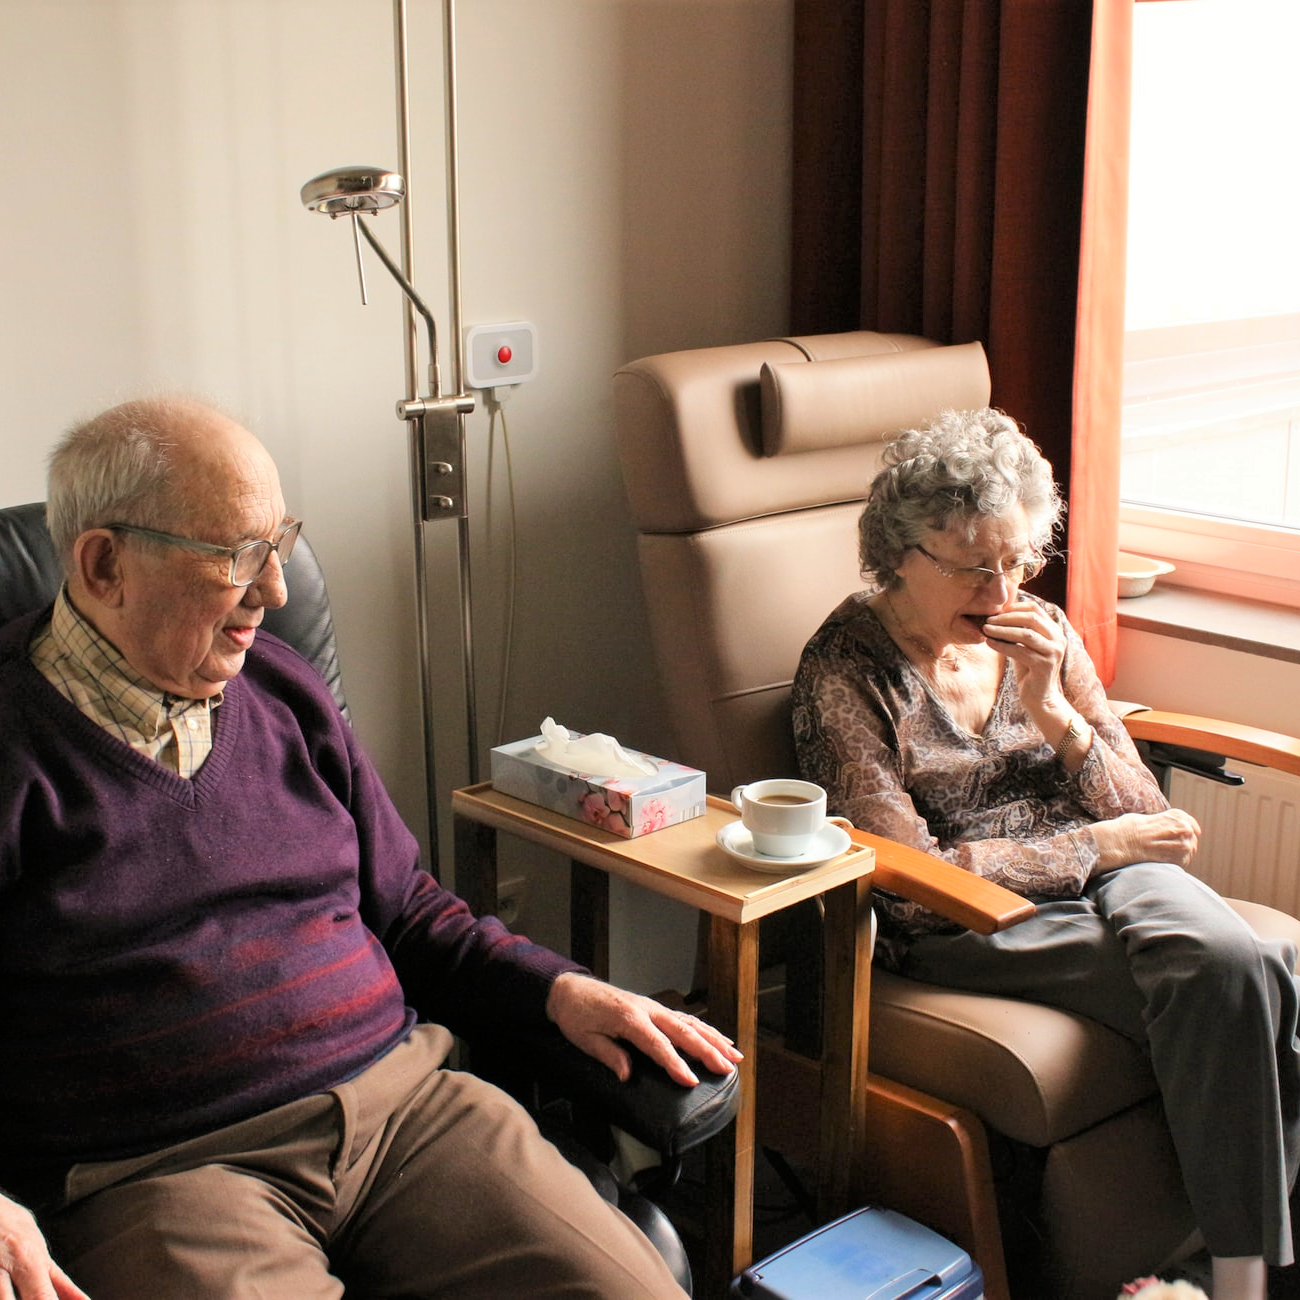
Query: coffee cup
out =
(782, 816)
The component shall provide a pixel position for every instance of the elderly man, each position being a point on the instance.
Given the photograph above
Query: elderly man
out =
(216, 943)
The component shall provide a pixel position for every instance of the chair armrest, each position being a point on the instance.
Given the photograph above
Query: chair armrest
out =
(664, 1115)
(1233, 740)
(960, 895)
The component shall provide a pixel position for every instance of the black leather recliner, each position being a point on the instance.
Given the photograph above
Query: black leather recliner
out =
(570, 1092)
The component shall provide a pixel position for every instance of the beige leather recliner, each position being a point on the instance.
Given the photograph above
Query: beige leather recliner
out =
(745, 467)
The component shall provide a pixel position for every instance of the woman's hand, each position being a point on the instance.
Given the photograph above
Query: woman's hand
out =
(1036, 645)
(1170, 836)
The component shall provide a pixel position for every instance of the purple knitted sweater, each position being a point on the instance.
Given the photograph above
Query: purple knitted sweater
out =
(179, 955)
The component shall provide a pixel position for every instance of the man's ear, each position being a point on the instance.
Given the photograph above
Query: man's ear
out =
(97, 564)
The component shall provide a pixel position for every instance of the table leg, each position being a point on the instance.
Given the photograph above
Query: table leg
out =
(847, 1003)
(476, 865)
(729, 1157)
(589, 918)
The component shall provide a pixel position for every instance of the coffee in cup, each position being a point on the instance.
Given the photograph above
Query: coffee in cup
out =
(782, 816)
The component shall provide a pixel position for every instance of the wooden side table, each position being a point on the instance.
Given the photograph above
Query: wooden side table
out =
(685, 863)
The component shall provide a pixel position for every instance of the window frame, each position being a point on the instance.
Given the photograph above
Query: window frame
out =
(1256, 561)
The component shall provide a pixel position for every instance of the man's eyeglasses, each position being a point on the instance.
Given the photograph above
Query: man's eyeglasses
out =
(246, 561)
(1016, 572)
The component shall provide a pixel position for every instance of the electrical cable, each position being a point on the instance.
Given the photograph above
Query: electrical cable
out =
(496, 407)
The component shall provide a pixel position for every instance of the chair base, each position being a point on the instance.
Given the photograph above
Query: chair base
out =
(931, 1161)
(1095, 1191)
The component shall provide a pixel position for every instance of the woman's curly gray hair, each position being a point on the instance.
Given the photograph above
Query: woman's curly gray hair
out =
(955, 472)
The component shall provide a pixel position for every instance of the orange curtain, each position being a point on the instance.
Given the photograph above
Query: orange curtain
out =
(1099, 339)
(960, 171)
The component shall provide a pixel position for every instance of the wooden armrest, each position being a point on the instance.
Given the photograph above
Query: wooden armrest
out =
(961, 896)
(1250, 744)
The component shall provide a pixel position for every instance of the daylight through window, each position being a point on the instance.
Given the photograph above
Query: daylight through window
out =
(1211, 424)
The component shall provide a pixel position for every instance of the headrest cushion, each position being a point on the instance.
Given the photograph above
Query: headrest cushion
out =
(816, 405)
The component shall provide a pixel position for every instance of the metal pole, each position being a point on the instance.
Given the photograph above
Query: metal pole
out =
(457, 378)
(415, 438)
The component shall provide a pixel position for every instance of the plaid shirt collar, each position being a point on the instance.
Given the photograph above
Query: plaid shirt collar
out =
(91, 672)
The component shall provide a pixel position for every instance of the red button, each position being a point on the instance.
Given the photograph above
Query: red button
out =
(504, 354)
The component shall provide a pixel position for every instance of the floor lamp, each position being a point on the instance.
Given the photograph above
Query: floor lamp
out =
(436, 422)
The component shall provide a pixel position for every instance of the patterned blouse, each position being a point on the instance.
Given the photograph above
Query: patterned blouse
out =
(894, 762)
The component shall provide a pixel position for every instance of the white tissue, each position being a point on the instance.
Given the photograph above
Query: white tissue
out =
(593, 755)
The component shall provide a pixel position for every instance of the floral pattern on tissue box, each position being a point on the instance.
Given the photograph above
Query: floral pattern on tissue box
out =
(625, 806)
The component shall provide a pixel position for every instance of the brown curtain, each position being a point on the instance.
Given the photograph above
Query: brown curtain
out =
(960, 171)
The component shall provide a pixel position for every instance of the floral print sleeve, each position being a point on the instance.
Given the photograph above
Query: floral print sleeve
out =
(893, 761)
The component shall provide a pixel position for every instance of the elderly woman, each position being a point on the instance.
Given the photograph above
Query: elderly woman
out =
(950, 710)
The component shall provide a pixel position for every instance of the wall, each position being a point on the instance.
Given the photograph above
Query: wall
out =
(1189, 677)
(624, 170)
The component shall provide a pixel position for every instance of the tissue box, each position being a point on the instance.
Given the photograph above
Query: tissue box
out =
(628, 806)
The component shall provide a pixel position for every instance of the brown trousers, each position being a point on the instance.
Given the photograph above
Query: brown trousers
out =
(411, 1181)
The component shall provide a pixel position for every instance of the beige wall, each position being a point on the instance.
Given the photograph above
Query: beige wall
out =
(624, 169)
(1188, 677)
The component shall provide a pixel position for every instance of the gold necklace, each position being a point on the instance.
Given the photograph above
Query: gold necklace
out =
(951, 661)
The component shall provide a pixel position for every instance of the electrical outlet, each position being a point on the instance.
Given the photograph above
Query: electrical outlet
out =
(510, 900)
(499, 355)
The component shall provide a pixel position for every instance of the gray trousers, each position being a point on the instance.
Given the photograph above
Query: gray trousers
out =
(411, 1181)
(1156, 955)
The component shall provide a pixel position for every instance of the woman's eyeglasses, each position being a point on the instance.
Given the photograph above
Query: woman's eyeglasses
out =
(1016, 572)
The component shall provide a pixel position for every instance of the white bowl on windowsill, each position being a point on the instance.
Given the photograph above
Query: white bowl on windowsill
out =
(1137, 573)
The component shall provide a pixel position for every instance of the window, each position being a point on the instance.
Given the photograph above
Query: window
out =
(1210, 461)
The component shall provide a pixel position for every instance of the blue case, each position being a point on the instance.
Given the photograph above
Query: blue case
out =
(871, 1254)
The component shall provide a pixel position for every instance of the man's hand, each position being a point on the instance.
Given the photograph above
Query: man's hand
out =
(26, 1270)
(596, 1017)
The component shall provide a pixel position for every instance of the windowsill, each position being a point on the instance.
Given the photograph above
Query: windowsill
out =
(1252, 627)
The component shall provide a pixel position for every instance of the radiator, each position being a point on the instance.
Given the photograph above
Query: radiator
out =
(1250, 834)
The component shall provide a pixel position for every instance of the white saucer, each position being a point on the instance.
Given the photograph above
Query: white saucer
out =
(828, 843)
